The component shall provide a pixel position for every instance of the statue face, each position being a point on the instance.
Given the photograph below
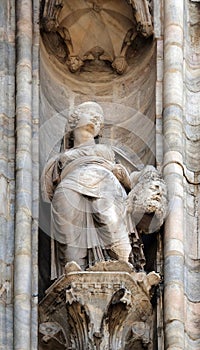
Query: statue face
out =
(88, 116)
(89, 124)
(93, 120)
(147, 201)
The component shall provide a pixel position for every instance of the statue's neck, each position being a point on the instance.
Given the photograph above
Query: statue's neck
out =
(82, 138)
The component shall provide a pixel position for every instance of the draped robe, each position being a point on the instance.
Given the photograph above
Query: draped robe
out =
(88, 203)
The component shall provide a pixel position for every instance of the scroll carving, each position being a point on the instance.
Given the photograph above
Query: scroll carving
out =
(94, 31)
(51, 336)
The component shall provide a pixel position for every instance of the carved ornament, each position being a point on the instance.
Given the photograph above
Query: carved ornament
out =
(94, 31)
(105, 307)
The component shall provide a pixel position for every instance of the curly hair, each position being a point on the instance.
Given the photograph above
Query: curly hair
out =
(80, 112)
(78, 116)
(74, 119)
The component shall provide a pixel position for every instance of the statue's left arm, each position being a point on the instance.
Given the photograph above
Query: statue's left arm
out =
(123, 176)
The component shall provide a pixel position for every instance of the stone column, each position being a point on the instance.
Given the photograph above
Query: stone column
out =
(35, 173)
(23, 223)
(158, 34)
(7, 159)
(173, 173)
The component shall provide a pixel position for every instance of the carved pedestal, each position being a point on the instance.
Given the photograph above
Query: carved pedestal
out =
(105, 308)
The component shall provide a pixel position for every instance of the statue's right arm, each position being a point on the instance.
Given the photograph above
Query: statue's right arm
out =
(47, 183)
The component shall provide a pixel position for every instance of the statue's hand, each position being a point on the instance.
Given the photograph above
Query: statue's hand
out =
(122, 175)
(63, 160)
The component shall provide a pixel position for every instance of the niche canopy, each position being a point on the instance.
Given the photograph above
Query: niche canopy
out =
(94, 30)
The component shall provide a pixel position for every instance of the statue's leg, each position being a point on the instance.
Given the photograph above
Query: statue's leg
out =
(68, 226)
(67, 253)
(110, 219)
(120, 251)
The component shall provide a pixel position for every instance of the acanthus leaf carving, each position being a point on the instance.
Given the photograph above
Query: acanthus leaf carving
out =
(105, 307)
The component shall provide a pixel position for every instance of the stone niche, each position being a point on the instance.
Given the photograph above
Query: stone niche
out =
(99, 33)
(100, 51)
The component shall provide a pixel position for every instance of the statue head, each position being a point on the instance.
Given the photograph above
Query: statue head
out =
(87, 113)
(147, 202)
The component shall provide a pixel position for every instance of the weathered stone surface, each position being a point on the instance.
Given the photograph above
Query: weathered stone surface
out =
(7, 159)
(191, 159)
(177, 135)
(94, 32)
(176, 331)
(106, 306)
(147, 201)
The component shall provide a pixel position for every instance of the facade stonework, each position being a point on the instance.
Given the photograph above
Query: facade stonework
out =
(140, 61)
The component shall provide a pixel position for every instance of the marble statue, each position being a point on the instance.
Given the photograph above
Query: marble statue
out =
(98, 212)
(87, 190)
(95, 204)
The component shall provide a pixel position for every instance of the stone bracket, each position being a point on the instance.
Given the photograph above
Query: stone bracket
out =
(100, 308)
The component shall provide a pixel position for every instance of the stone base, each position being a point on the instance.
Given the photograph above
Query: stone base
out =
(105, 307)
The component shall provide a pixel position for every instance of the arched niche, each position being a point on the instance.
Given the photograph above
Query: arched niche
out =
(102, 51)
